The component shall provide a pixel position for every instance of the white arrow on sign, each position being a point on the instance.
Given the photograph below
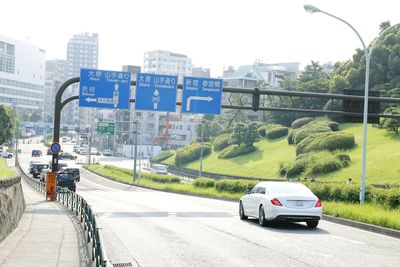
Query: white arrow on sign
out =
(88, 99)
(200, 98)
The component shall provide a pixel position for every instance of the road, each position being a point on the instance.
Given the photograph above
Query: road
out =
(152, 228)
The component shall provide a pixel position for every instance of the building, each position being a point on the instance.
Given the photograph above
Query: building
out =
(251, 76)
(55, 76)
(159, 127)
(22, 74)
(82, 52)
(200, 72)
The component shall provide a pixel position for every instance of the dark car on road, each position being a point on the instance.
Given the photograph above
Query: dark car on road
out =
(36, 169)
(74, 171)
(66, 180)
(66, 155)
(36, 153)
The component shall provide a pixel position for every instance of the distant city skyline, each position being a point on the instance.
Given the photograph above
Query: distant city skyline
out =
(215, 34)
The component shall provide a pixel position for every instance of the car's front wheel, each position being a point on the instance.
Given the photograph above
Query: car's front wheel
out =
(9, 156)
(241, 212)
(261, 216)
(312, 224)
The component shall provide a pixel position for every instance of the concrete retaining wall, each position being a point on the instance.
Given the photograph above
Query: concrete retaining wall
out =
(12, 205)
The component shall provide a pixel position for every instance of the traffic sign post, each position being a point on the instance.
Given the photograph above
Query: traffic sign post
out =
(104, 89)
(202, 95)
(156, 92)
(106, 127)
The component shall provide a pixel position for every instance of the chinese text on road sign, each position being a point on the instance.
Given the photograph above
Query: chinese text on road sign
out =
(104, 89)
(202, 95)
(156, 92)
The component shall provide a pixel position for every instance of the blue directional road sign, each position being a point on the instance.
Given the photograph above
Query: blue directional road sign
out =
(156, 92)
(104, 89)
(202, 95)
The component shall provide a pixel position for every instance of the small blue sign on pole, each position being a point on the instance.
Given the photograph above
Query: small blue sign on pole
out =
(156, 92)
(202, 95)
(104, 89)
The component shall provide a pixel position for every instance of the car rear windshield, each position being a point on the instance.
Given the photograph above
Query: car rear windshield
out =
(62, 177)
(280, 188)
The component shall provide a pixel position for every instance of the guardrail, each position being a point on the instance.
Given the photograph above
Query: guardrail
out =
(193, 174)
(83, 212)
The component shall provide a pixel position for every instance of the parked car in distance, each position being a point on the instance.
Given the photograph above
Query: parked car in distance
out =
(43, 174)
(281, 201)
(107, 153)
(66, 155)
(83, 151)
(159, 169)
(93, 151)
(66, 180)
(36, 153)
(36, 168)
(74, 171)
(76, 148)
(6, 155)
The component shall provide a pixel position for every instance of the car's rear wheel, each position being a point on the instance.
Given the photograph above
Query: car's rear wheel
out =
(241, 212)
(261, 216)
(312, 224)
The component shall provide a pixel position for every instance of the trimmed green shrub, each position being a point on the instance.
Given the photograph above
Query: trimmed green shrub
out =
(334, 126)
(191, 153)
(326, 141)
(290, 137)
(163, 156)
(221, 142)
(234, 151)
(234, 186)
(309, 129)
(159, 178)
(273, 131)
(344, 159)
(301, 122)
(311, 164)
(204, 182)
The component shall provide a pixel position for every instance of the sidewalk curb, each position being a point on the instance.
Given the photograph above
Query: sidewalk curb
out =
(360, 225)
(363, 226)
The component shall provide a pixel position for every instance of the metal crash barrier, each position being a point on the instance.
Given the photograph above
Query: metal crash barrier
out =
(84, 214)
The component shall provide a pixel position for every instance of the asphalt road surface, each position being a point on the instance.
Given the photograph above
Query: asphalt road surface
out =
(152, 228)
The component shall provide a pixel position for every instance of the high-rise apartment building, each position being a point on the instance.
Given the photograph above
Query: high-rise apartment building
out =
(55, 76)
(200, 72)
(82, 52)
(22, 74)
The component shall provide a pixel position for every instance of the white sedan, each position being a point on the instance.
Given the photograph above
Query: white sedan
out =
(281, 201)
(4, 154)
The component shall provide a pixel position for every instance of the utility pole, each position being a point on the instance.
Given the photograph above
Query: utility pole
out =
(115, 132)
(135, 151)
(89, 137)
(201, 151)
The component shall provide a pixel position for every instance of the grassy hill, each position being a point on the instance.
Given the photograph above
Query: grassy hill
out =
(383, 157)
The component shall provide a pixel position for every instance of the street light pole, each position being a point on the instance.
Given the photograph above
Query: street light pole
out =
(368, 53)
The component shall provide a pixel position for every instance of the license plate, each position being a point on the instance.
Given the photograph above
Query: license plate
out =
(298, 203)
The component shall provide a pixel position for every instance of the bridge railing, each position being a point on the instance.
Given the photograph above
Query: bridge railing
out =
(84, 214)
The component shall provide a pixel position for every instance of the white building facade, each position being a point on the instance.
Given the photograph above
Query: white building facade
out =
(55, 76)
(22, 74)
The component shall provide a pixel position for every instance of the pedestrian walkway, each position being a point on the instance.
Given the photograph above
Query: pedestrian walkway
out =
(47, 235)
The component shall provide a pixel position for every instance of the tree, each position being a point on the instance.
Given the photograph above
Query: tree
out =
(7, 122)
(252, 134)
(211, 129)
(238, 134)
(391, 124)
(313, 72)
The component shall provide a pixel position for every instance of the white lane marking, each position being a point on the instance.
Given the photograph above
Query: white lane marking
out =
(347, 239)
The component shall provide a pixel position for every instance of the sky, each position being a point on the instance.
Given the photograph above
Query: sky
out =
(213, 33)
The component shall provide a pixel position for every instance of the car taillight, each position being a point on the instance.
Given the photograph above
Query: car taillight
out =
(276, 202)
(319, 203)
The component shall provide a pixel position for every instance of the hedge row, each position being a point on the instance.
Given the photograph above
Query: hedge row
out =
(235, 150)
(350, 193)
(221, 142)
(326, 141)
(163, 155)
(191, 153)
(234, 186)
(204, 182)
(159, 178)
